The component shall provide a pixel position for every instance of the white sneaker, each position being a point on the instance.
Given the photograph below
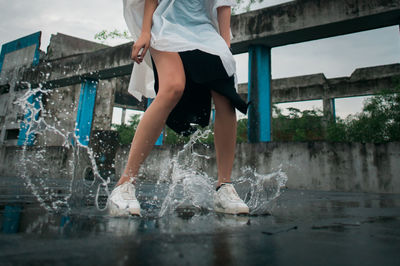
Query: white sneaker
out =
(123, 202)
(226, 200)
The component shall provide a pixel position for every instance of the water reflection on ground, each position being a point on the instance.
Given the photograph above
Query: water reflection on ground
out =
(310, 228)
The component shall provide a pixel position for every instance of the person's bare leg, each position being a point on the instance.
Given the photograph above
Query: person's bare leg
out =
(172, 80)
(224, 136)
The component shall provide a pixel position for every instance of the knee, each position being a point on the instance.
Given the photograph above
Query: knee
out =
(172, 92)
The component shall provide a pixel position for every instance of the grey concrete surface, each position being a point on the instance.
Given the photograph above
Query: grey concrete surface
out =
(352, 167)
(363, 81)
(62, 45)
(305, 20)
(302, 228)
(321, 165)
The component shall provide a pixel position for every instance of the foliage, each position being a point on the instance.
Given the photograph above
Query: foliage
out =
(173, 138)
(241, 136)
(105, 35)
(297, 125)
(379, 121)
(245, 5)
(127, 131)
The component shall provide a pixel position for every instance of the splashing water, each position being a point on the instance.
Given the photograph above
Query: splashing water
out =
(259, 190)
(188, 188)
(50, 197)
(193, 190)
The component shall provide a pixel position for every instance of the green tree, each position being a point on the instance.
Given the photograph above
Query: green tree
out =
(173, 138)
(127, 131)
(378, 122)
(105, 35)
(241, 136)
(297, 125)
(245, 5)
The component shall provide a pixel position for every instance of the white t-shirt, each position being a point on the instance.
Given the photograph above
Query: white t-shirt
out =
(178, 25)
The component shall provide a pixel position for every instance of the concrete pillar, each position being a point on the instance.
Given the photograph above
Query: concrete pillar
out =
(259, 94)
(328, 106)
(123, 116)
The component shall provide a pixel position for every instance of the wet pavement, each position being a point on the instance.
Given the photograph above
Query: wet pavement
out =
(302, 228)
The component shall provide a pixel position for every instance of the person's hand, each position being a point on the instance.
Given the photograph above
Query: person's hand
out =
(140, 47)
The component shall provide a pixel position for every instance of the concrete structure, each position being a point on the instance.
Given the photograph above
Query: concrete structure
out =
(363, 81)
(351, 167)
(299, 21)
(62, 45)
(324, 166)
(306, 20)
(85, 80)
(292, 22)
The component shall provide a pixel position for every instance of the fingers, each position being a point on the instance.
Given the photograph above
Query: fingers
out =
(135, 54)
(138, 53)
(144, 51)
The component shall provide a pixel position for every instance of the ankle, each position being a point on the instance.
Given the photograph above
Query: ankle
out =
(125, 179)
(221, 184)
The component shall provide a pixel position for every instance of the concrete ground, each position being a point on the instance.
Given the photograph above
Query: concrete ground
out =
(304, 228)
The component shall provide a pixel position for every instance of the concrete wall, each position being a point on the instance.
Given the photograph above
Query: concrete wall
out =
(18, 58)
(61, 106)
(62, 45)
(323, 166)
(60, 109)
(35, 162)
(309, 165)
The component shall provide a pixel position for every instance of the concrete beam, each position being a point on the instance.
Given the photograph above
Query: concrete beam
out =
(306, 20)
(101, 64)
(363, 81)
(293, 22)
(98, 65)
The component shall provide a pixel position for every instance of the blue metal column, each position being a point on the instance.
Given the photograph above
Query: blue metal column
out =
(84, 117)
(259, 94)
(27, 131)
(159, 141)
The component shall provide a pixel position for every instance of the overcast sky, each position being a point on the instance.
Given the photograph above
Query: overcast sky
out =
(338, 56)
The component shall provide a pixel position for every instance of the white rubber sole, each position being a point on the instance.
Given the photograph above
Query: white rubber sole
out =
(114, 211)
(243, 210)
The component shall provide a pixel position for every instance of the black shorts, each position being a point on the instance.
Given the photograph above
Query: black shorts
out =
(204, 72)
